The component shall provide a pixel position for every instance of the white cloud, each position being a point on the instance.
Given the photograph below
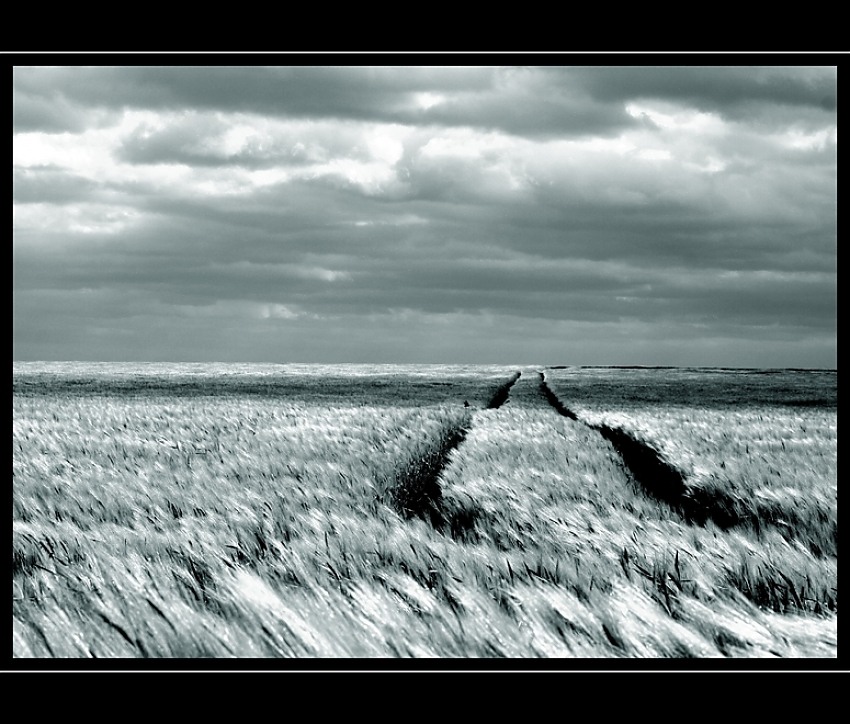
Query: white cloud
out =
(85, 218)
(276, 311)
(655, 154)
(425, 101)
(300, 271)
(673, 118)
(813, 141)
(465, 143)
(385, 143)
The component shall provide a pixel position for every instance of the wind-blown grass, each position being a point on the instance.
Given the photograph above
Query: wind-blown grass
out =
(243, 525)
(751, 465)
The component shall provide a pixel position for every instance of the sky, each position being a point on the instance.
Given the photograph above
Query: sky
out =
(611, 214)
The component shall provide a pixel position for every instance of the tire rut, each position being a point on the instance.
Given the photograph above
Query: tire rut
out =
(416, 490)
(658, 478)
(503, 392)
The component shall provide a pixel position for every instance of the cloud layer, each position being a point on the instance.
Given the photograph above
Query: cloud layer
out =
(584, 215)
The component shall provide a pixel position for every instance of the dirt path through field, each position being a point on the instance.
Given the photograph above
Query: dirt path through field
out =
(523, 403)
(658, 478)
(520, 465)
(503, 393)
(416, 490)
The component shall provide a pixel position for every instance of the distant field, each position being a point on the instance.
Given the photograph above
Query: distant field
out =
(423, 511)
(384, 385)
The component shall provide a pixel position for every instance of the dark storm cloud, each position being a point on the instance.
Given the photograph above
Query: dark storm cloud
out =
(206, 210)
(190, 251)
(768, 215)
(278, 222)
(50, 111)
(50, 185)
(736, 92)
(755, 300)
(296, 244)
(698, 233)
(533, 102)
(517, 100)
(47, 113)
(365, 93)
(378, 269)
(546, 101)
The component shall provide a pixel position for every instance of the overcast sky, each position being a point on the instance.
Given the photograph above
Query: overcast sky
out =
(677, 215)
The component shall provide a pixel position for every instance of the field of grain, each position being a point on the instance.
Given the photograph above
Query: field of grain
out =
(411, 512)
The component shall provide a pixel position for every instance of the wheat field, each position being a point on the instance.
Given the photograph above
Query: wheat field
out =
(423, 512)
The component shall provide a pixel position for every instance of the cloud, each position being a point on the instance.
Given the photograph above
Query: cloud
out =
(479, 207)
(534, 101)
(340, 92)
(205, 139)
(51, 111)
(735, 92)
(50, 185)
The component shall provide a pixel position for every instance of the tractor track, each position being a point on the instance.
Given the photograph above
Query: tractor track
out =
(467, 518)
(657, 477)
(500, 397)
(416, 490)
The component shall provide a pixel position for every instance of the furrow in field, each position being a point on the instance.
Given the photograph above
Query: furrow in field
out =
(518, 394)
(516, 456)
(554, 401)
(658, 477)
(528, 483)
(415, 489)
(503, 392)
